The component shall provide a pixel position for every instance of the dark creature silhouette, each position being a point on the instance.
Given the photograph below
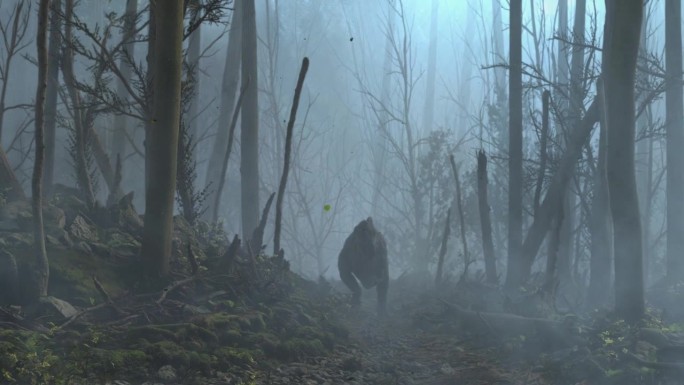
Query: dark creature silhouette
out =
(364, 258)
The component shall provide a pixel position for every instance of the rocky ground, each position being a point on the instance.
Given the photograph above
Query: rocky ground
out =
(234, 318)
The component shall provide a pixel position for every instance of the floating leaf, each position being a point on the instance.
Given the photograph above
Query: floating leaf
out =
(326, 207)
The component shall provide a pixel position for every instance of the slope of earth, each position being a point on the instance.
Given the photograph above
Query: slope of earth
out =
(413, 344)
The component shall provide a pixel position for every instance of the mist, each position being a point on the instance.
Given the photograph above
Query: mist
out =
(341, 192)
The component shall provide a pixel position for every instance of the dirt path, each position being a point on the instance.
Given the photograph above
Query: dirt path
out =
(405, 349)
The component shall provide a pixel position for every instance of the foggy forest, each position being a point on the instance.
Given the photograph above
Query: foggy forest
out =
(341, 192)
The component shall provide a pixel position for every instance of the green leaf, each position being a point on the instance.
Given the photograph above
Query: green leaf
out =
(326, 207)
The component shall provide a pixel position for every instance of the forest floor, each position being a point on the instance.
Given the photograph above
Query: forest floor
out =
(413, 344)
(229, 317)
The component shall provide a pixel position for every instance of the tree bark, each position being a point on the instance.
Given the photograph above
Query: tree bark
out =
(461, 216)
(621, 47)
(194, 52)
(121, 121)
(674, 123)
(83, 180)
(42, 263)
(249, 162)
(226, 156)
(162, 139)
(288, 155)
(485, 221)
(497, 37)
(601, 247)
(429, 107)
(443, 250)
(542, 221)
(229, 90)
(54, 52)
(12, 189)
(543, 154)
(515, 168)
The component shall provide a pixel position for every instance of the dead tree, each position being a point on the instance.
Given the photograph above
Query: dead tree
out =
(288, 154)
(443, 250)
(459, 205)
(485, 221)
(42, 263)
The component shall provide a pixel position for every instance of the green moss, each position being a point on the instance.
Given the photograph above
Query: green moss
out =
(149, 332)
(229, 356)
(170, 353)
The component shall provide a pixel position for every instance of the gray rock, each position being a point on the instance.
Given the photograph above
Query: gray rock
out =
(81, 228)
(167, 373)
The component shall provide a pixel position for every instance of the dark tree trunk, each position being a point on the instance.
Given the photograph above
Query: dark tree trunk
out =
(162, 139)
(54, 51)
(514, 275)
(121, 121)
(621, 47)
(229, 90)
(601, 248)
(674, 123)
(42, 263)
(249, 163)
(485, 221)
(288, 155)
(8, 179)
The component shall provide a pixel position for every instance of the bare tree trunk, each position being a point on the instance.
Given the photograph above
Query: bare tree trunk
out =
(515, 173)
(249, 163)
(82, 173)
(162, 139)
(461, 217)
(226, 156)
(194, 52)
(575, 104)
(42, 263)
(288, 155)
(551, 279)
(543, 155)
(621, 47)
(54, 52)
(644, 159)
(379, 152)
(13, 190)
(498, 38)
(601, 234)
(443, 250)
(229, 90)
(485, 221)
(121, 121)
(429, 107)
(149, 86)
(674, 121)
(566, 168)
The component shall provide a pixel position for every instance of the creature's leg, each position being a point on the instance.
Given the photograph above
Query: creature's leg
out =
(353, 285)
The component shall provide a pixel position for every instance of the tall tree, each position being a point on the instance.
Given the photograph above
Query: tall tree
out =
(498, 44)
(621, 48)
(162, 139)
(194, 53)
(674, 123)
(229, 90)
(126, 67)
(601, 247)
(42, 264)
(249, 163)
(515, 188)
(54, 51)
(429, 107)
